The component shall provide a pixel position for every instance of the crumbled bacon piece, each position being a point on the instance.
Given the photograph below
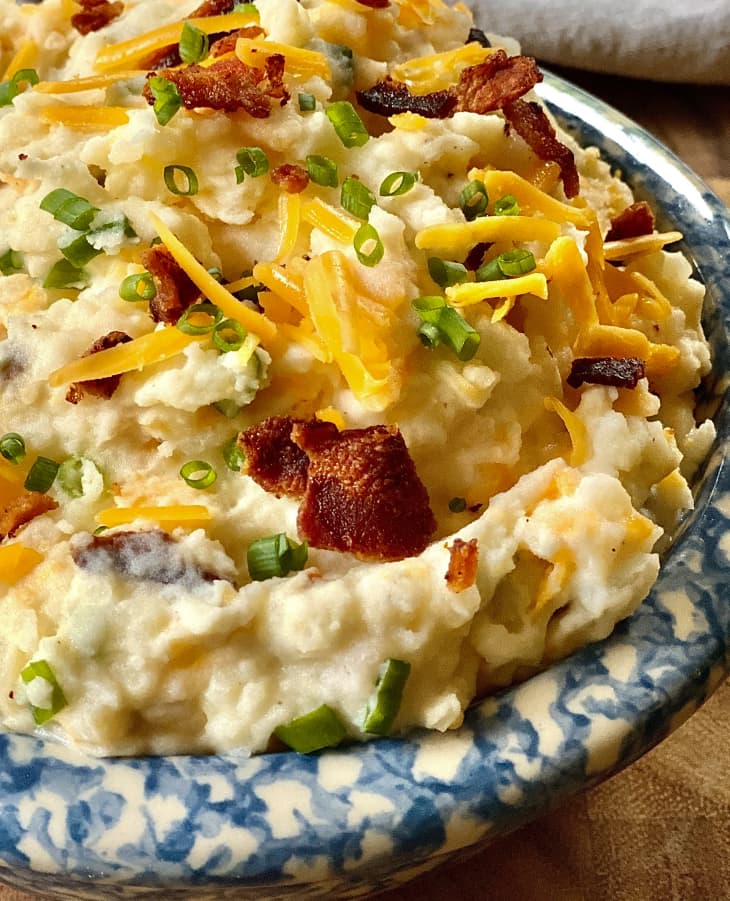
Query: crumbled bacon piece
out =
(374, 4)
(463, 564)
(229, 85)
(174, 290)
(389, 97)
(363, 493)
(635, 220)
(475, 257)
(169, 56)
(21, 510)
(477, 36)
(212, 8)
(273, 460)
(227, 42)
(620, 372)
(532, 124)
(294, 179)
(95, 15)
(496, 82)
(98, 387)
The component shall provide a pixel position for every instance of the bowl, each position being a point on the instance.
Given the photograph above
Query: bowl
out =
(364, 818)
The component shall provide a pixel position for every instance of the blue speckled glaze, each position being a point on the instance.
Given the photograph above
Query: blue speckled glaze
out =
(346, 823)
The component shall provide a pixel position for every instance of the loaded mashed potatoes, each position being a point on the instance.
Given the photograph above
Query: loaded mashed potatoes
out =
(337, 386)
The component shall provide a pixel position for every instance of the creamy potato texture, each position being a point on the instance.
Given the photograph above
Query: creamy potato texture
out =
(567, 493)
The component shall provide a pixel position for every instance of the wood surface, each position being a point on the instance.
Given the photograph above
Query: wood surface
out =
(660, 830)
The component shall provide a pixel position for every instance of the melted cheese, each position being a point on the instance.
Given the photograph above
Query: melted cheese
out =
(576, 429)
(328, 219)
(85, 117)
(475, 292)
(457, 237)
(436, 71)
(89, 83)
(300, 63)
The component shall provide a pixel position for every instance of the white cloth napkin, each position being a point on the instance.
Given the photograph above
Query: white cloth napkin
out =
(665, 40)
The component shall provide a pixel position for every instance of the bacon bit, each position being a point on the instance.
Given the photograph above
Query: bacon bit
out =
(475, 257)
(96, 14)
(620, 372)
(174, 290)
(635, 220)
(212, 8)
(463, 564)
(167, 57)
(496, 82)
(532, 124)
(477, 36)
(22, 510)
(374, 4)
(227, 43)
(363, 493)
(229, 85)
(98, 387)
(273, 460)
(294, 179)
(389, 98)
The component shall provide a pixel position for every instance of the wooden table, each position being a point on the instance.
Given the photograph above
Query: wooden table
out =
(659, 831)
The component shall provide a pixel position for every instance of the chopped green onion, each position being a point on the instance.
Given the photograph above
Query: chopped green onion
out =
(322, 170)
(443, 323)
(210, 310)
(507, 264)
(473, 200)
(139, 286)
(446, 272)
(227, 407)
(12, 447)
(321, 728)
(9, 90)
(193, 44)
(77, 249)
(233, 454)
(397, 183)
(349, 126)
(275, 555)
(367, 237)
(69, 208)
(457, 504)
(198, 474)
(41, 669)
(356, 197)
(430, 335)
(228, 335)
(63, 274)
(507, 206)
(307, 103)
(69, 476)
(384, 704)
(246, 8)
(167, 98)
(41, 475)
(252, 161)
(189, 185)
(11, 262)
(216, 273)
(429, 307)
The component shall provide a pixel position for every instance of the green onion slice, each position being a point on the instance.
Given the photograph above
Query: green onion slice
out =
(69, 208)
(252, 161)
(207, 311)
(41, 475)
(63, 274)
(77, 249)
(180, 180)
(193, 44)
(507, 264)
(275, 555)
(9, 90)
(167, 99)
(12, 447)
(321, 728)
(443, 323)
(139, 286)
(356, 197)
(347, 123)
(227, 407)
(198, 474)
(430, 335)
(429, 307)
(368, 246)
(384, 703)
(228, 335)
(41, 669)
(397, 183)
(507, 206)
(307, 103)
(69, 476)
(11, 262)
(446, 272)
(233, 454)
(457, 504)
(322, 170)
(248, 8)
(473, 200)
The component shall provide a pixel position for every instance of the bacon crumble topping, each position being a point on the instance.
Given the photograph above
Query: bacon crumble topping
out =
(22, 510)
(273, 460)
(95, 15)
(463, 564)
(635, 220)
(619, 372)
(174, 290)
(496, 82)
(105, 387)
(291, 177)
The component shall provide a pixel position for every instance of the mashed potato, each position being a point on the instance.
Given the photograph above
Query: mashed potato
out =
(437, 276)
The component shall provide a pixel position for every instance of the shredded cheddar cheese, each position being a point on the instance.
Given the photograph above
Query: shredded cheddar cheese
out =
(576, 429)
(89, 83)
(24, 58)
(474, 292)
(328, 219)
(16, 561)
(85, 117)
(628, 247)
(175, 516)
(290, 217)
(436, 71)
(300, 63)
(458, 237)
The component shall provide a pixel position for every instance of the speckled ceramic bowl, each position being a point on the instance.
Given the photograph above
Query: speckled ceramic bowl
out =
(345, 823)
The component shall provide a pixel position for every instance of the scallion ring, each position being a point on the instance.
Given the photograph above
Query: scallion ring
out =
(356, 197)
(9, 90)
(70, 476)
(41, 475)
(429, 307)
(429, 334)
(174, 173)
(507, 206)
(385, 702)
(474, 200)
(138, 287)
(193, 44)
(506, 265)
(167, 99)
(198, 474)
(77, 249)
(307, 103)
(322, 170)
(63, 274)
(347, 123)
(368, 246)
(275, 555)
(11, 262)
(320, 728)
(69, 208)
(446, 272)
(442, 323)
(41, 669)
(210, 314)
(397, 183)
(252, 161)
(12, 447)
(228, 335)
(233, 454)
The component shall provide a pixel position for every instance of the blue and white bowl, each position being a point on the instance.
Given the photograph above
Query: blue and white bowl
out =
(357, 820)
